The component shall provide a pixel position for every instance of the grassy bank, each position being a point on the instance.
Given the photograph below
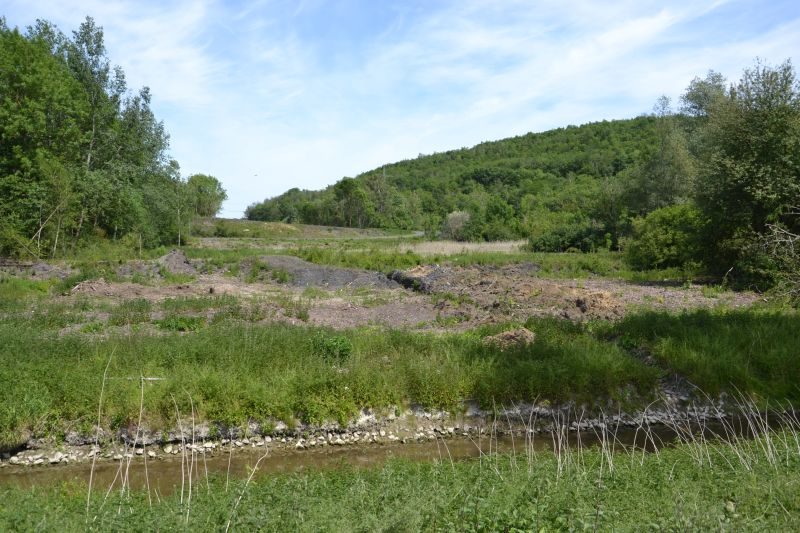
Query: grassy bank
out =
(231, 369)
(694, 486)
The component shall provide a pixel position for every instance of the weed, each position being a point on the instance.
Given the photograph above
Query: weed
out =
(131, 312)
(333, 348)
(181, 323)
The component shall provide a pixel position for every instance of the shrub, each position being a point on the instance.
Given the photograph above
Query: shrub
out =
(332, 348)
(666, 237)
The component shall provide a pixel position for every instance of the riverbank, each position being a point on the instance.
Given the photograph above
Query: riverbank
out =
(697, 485)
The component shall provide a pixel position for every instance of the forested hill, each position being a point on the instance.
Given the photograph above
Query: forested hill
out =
(564, 181)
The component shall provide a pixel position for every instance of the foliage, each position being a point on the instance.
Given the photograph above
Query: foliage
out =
(503, 186)
(750, 166)
(206, 194)
(332, 348)
(666, 237)
(82, 157)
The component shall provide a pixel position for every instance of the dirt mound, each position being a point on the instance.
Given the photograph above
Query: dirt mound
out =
(423, 278)
(304, 274)
(93, 286)
(515, 338)
(176, 262)
(599, 304)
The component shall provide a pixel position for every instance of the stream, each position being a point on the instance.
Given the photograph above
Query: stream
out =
(166, 473)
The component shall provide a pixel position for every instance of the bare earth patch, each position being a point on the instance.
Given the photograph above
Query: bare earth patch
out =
(435, 297)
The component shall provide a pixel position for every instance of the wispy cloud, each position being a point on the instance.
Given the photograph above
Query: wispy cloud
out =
(273, 94)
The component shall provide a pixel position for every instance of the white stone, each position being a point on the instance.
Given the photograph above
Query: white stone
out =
(151, 454)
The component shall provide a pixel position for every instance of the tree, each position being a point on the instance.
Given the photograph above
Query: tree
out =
(702, 94)
(750, 167)
(206, 194)
(665, 176)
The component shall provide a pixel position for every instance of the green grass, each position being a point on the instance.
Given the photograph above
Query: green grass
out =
(198, 303)
(753, 351)
(17, 293)
(128, 312)
(234, 371)
(665, 492)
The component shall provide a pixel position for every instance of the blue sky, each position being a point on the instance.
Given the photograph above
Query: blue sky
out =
(273, 94)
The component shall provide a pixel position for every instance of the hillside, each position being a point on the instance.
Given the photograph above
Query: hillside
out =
(560, 180)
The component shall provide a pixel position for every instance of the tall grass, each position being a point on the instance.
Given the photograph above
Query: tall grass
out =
(744, 483)
(745, 350)
(235, 371)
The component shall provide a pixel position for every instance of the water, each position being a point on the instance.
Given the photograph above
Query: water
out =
(166, 473)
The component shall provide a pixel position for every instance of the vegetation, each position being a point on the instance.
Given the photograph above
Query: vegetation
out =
(714, 185)
(236, 370)
(695, 486)
(82, 157)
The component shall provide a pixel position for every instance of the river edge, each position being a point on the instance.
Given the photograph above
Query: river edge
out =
(675, 412)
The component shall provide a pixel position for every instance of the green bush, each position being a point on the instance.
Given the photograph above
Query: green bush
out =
(332, 348)
(666, 237)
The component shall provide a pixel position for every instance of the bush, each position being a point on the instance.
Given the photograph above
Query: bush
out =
(666, 237)
(334, 348)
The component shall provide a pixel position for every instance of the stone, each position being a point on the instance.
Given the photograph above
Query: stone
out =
(56, 458)
(38, 462)
(382, 433)
(139, 451)
(169, 448)
(14, 460)
(151, 454)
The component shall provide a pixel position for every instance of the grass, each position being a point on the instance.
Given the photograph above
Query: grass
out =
(723, 350)
(741, 487)
(236, 371)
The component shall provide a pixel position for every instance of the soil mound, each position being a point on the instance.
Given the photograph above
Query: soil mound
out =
(599, 304)
(93, 286)
(423, 278)
(515, 338)
(176, 262)
(304, 274)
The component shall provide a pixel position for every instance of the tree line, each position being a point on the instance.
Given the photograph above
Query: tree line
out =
(82, 157)
(713, 184)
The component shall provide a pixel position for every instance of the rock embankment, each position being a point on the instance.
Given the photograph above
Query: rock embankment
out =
(412, 426)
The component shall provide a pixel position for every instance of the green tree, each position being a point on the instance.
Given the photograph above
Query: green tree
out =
(206, 194)
(750, 167)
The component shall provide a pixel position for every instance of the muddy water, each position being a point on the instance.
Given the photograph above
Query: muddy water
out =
(166, 473)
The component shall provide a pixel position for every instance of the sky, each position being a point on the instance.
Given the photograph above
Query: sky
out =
(268, 95)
